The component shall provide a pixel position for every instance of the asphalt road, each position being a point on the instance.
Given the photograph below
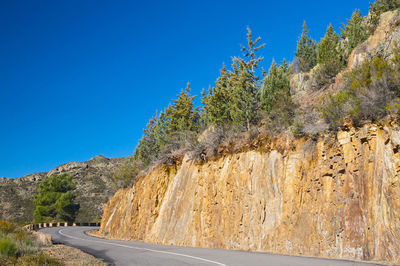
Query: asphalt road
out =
(119, 252)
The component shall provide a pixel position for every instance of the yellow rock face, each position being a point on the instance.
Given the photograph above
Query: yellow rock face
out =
(337, 197)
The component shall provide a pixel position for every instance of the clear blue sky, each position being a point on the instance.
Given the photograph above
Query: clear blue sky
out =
(82, 78)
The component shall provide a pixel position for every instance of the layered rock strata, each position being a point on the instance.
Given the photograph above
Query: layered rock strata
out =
(337, 196)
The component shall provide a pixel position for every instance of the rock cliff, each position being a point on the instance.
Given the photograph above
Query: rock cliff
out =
(337, 196)
(94, 187)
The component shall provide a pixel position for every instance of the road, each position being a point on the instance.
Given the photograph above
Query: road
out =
(119, 252)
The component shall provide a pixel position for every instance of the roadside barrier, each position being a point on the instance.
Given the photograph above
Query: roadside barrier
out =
(35, 227)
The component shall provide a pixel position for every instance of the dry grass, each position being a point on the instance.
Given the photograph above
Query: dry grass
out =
(71, 256)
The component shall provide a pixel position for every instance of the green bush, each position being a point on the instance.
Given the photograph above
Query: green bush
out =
(297, 128)
(55, 200)
(336, 107)
(370, 92)
(8, 248)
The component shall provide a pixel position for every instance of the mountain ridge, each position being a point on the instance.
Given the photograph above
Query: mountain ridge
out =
(94, 186)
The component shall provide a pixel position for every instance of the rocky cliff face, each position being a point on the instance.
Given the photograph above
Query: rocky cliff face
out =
(94, 187)
(337, 196)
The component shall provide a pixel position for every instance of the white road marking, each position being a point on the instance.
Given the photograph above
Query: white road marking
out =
(147, 249)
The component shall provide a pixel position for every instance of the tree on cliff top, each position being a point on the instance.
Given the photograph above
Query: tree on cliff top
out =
(328, 47)
(354, 33)
(216, 103)
(245, 85)
(306, 50)
(55, 199)
(182, 114)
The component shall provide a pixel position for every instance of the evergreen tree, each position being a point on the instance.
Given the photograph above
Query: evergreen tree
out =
(354, 33)
(182, 114)
(244, 83)
(379, 7)
(153, 140)
(216, 103)
(160, 130)
(148, 147)
(306, 51)
(276, 84)
(328, 47)
(55, 199)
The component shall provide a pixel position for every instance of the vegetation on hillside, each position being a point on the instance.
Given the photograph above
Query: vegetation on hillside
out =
(247, 100)
(19, 247)
(55, 199)
(379, 7)
(371, 92)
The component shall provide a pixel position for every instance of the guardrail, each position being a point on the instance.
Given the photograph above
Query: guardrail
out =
(45, 225)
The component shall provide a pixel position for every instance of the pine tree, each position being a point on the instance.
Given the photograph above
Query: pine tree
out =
(306, 51)
(182, 114)
(354, 33)
(328, 47)
(55, 199)
(216, 102)
(244, 84)
(148, 147)
(276, 84)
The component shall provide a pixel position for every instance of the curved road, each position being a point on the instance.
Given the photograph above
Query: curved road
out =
(119, 252)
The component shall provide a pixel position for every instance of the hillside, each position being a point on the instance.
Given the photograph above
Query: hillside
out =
(332, 191)
(94, 187)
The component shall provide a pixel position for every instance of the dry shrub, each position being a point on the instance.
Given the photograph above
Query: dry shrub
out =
(325, 74)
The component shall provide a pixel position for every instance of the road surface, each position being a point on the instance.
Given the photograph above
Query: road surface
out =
(118, 252)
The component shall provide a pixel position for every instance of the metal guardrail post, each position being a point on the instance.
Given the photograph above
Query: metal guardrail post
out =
(35, 227)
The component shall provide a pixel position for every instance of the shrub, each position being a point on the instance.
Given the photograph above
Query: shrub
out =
(8, 248)
(38, 260)
(125, 174)
(325, 73)
(297, 128)
(370, 92)
(7, 227)
(208, 145)
(336, 107)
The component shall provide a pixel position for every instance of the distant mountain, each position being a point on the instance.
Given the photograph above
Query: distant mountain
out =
(94, 187)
